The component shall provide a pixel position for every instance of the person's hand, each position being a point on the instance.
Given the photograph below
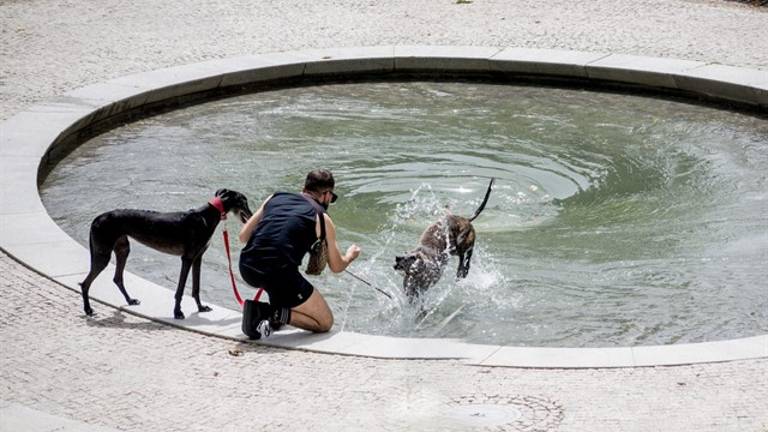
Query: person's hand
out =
(353, 252)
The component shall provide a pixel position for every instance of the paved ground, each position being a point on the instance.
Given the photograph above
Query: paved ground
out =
(121, 372)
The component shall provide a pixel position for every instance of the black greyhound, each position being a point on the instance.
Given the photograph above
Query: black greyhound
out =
(185, 234)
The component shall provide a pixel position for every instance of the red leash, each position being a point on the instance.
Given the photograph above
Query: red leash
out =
(216, 202)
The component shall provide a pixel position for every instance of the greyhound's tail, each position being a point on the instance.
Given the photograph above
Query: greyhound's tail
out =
(485, 201)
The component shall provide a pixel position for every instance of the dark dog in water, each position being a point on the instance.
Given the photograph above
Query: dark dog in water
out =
(451, 235)
(185, 234)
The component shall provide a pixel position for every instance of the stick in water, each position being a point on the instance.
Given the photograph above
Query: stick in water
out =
(368, 283)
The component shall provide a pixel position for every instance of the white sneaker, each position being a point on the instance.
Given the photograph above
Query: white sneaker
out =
(264, 329)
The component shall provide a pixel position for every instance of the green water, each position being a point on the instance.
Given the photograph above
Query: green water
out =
(615, 220)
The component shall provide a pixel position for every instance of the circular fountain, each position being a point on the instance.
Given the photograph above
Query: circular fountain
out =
(618, 220)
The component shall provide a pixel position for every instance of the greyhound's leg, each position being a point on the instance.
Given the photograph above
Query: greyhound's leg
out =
(186, 263)
(122, 249)
(464, 261)
(99, 262)
(196, 284)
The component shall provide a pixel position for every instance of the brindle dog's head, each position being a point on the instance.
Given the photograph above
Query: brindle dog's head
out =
(420, 270)
(403, 262)
(236, 203)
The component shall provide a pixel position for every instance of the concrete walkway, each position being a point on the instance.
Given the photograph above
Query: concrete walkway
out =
(118, 371)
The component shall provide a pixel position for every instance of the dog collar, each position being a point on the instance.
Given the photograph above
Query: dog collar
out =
(219, 205)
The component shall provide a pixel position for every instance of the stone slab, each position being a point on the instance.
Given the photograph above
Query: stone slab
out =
(730, 83)
(31, 133)
(647, 71)
(560, 357)
(264, 67)
(419, 348)
(110, 98)
(163, 84)
(347, 60)
(26, 229)
(333, 342)
(55, 258)
(528, 61)
(681, 354)
(18, 185)
(77, 112)
(443, 58)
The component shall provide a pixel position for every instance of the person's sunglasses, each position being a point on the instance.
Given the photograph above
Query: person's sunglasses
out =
(334, 197)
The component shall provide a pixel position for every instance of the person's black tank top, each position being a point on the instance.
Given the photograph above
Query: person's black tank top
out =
(284, 234)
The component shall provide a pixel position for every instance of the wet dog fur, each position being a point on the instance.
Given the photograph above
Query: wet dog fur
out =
(451, 235)
(185, 234)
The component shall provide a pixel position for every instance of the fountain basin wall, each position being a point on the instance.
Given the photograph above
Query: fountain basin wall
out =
(33, 140)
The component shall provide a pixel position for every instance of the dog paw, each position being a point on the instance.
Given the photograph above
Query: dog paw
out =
(202, 308)
(134, 302)
(178, 314)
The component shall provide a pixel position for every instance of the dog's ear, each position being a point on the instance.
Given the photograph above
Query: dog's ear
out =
(228, 197)
(399, 262)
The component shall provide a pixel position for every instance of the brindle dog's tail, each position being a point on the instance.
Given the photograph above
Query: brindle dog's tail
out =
(485, 201)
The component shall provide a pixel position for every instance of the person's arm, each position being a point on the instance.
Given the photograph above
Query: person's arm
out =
(336, 261)
(248, 227)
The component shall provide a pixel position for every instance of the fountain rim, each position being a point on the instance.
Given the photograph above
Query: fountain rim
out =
(33, 141)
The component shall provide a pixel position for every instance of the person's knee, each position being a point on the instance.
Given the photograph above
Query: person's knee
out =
(325, 323)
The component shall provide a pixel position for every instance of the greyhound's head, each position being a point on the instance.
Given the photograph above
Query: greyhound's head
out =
(236, 203)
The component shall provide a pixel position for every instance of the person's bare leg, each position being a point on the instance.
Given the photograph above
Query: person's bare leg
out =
(313, 315)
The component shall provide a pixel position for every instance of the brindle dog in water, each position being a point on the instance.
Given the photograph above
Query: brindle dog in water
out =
(451, 235)
(185, 234)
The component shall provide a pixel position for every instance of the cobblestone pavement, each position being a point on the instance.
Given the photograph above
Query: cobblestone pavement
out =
(123, 372)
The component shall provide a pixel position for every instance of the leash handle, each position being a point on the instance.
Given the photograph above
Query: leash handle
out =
(239, 299)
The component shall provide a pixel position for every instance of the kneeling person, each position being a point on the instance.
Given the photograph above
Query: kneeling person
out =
(277, 237)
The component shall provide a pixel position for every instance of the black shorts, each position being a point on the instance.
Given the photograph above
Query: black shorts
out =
(286, 286)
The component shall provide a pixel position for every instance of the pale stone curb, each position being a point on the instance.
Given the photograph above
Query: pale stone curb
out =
(652, 72)
(45, 132)
(571, 64)
(443, 58)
